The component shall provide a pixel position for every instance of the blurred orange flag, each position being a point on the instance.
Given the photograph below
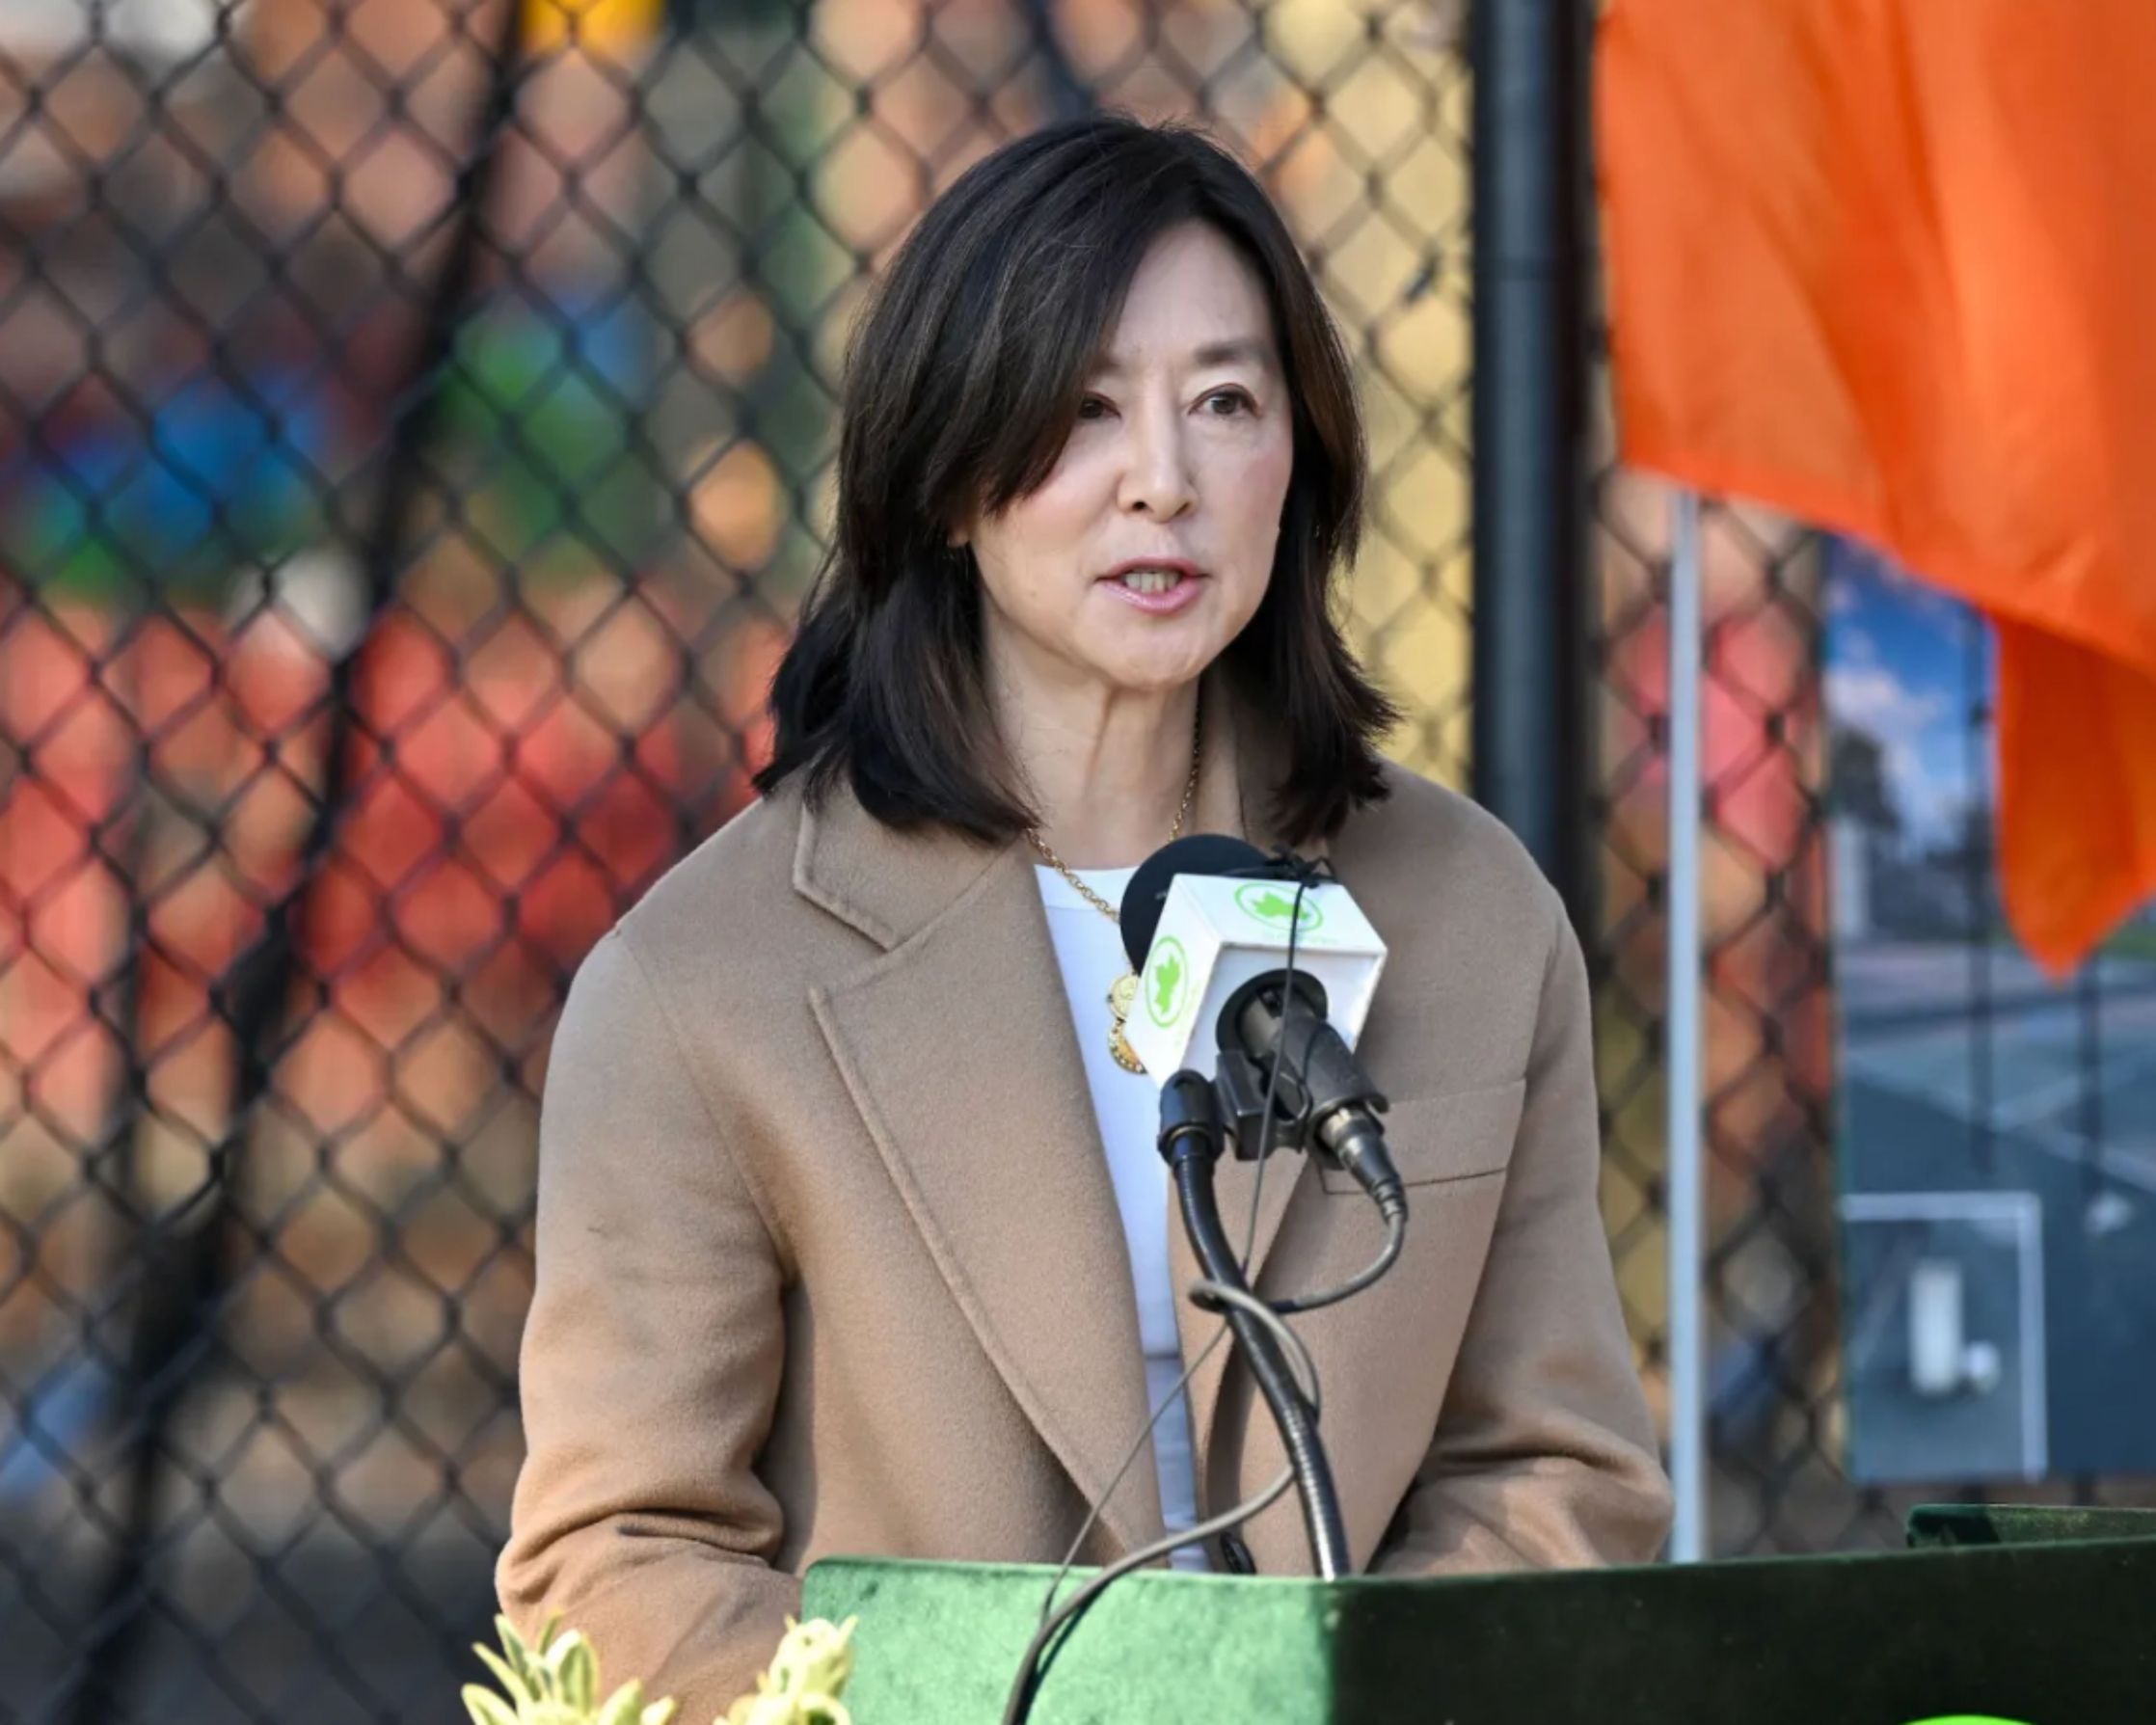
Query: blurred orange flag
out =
(1890, 265)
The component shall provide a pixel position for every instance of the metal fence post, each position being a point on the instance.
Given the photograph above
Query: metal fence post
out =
(1687, 1181)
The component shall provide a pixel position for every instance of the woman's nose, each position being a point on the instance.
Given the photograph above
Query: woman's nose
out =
(1156, 473)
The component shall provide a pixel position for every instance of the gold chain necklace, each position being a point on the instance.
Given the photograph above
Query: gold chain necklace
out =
(1123, 993)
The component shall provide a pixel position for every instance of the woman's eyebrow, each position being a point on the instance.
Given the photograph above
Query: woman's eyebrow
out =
(1238, 350)
(1243, 350)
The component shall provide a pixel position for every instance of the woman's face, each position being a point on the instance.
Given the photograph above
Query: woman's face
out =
(1150, 544)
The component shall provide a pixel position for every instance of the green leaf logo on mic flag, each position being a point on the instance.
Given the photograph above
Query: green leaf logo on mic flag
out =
(1264, 901)
(1167, 982)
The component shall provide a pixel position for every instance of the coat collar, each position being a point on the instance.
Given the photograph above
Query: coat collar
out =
(958, 1048)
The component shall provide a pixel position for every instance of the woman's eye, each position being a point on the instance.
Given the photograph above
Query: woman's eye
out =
(1093, 408)
(1236, 402)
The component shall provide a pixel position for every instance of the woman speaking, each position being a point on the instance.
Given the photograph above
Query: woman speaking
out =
(851, 1232)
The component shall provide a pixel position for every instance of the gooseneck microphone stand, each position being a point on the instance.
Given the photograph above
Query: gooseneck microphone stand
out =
(1190, 1139)
(1287, 1079)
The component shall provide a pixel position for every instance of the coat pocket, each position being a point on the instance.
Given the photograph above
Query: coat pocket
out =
(1453, 1137)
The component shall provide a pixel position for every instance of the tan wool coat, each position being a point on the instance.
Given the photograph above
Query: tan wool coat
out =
(829, 1258)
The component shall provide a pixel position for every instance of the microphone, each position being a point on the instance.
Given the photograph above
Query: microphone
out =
(1245, 961)
(1257, 971)
(1145, 896)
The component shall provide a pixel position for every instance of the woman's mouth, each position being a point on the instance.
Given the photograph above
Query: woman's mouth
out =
(1158, 589)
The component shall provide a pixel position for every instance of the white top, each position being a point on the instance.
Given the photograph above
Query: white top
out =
(1089, 953)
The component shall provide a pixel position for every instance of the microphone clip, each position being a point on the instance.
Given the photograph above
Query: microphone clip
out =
(1307, 1090)
(1240, 1085)
(1241, 1088)
(1289, 866)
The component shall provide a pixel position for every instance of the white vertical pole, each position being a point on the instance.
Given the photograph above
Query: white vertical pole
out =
(1687, 1183)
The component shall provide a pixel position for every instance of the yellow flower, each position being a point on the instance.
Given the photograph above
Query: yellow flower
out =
(802, 1685)
(555, 1682)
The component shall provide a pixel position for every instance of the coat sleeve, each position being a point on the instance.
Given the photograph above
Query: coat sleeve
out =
(650, 1365)
(1545, 1454)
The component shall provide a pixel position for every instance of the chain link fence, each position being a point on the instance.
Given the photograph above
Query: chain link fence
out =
(419, 435)
(414, 436)
(1778, 1408)
(1767, 1024)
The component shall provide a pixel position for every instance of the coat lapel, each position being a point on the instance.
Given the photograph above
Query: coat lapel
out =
(958, 1048)
(959, 1051)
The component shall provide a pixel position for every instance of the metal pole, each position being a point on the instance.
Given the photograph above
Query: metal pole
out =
(1687, 1170)
(1531, 236)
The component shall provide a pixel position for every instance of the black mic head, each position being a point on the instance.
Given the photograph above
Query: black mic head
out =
(1146, 895)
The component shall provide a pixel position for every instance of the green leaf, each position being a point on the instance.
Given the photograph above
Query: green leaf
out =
(512, 1681)
(623, 1705)
(660, 1712)
(580, 1674)
(548, 1678)
(486, 1708)
(523, 1659)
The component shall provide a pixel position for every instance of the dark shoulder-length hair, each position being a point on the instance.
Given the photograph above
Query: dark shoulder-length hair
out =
(963, 379)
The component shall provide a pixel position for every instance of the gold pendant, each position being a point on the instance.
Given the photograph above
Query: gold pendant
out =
(1122, 995)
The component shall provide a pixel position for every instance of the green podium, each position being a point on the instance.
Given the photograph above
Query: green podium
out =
(2046, 1617)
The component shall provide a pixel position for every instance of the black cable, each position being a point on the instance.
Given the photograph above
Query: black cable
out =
(1272, 1091)
(1190, 1371)
(1259, 1328)
(1211, 1296)
(1030, 1663)
(1131, 1455)
(1253, 1310)
(1395, 1237)
(1313, 1473)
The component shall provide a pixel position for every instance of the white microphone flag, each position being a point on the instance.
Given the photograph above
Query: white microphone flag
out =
(1215, 934)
